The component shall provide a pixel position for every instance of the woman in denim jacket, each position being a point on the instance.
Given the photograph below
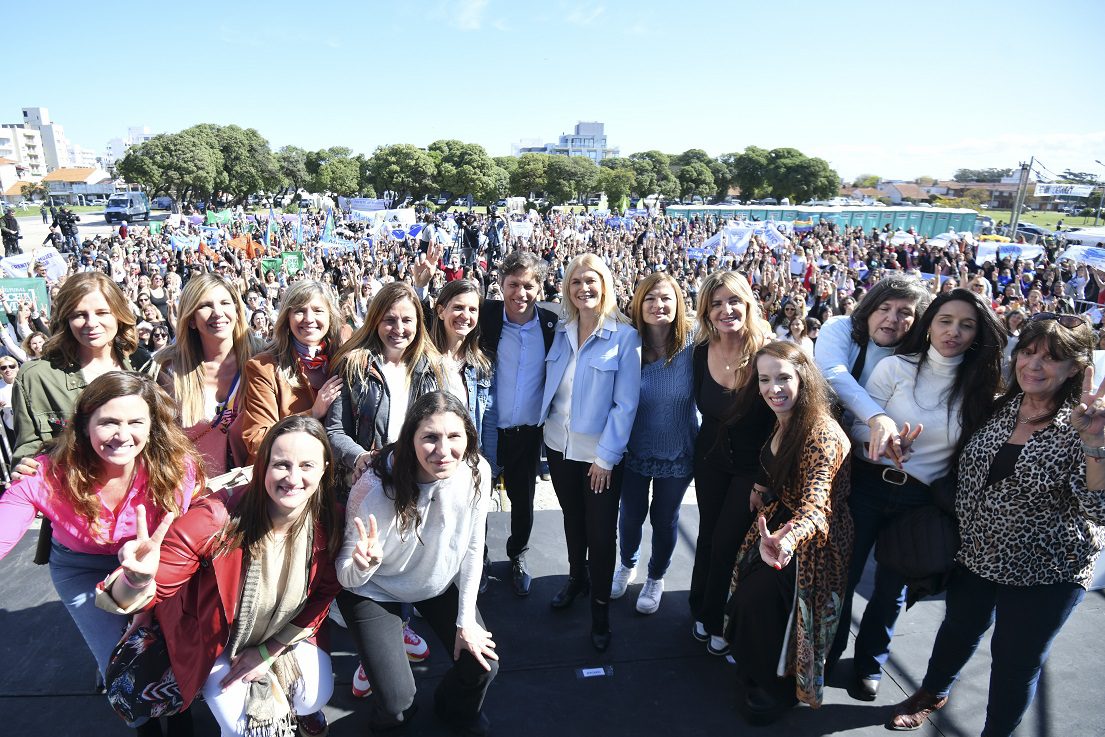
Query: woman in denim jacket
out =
(592, 386)
(466, 371)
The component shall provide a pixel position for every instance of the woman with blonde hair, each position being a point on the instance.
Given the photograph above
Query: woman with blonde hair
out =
(592, 387)
(387, 364)
(661, 445)
(202, 370)
(726, 456)
(292, 376)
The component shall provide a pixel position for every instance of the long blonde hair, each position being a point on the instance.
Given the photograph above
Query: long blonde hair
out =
(353, 359)
(608, 305)
(756, 331)
(186, 354)
(282, 347)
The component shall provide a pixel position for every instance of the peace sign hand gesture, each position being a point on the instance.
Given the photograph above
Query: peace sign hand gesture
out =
(369, 552)
(140, 557)
(1088, 418)
(775, 551)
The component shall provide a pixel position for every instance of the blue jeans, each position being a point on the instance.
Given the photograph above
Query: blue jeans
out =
(1027, 620)
(667, 495)
(873, 503)
(75, 576)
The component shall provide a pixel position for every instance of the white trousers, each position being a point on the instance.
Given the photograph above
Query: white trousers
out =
(229, 707)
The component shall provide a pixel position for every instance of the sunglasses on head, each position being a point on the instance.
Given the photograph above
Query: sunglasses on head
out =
(1068, 321)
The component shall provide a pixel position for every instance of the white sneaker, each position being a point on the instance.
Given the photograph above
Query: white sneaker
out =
(649, 600)
(416, 647)
(361, 686)
(717, 646)
(699, 632)
(622, 578)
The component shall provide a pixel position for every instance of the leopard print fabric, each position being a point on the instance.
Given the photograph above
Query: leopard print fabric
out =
(1041, 524)
(822, 535)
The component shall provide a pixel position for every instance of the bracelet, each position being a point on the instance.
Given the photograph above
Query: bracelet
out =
(1092, 451)
(263, 649)
(133, 585)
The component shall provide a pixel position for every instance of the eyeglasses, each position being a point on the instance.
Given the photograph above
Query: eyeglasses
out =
(8, 366)
(1068, 321)
(160, 335)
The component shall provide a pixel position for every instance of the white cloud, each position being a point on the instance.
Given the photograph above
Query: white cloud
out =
(582, 15)
(467, 15)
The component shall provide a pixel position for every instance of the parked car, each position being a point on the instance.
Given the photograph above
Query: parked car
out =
(98, 202)
(162, 203)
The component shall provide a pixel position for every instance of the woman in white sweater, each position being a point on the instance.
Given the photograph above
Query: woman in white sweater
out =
(939, 388)
(415, 533)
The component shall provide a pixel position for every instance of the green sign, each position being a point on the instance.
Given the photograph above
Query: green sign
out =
(14, 291)
(292, 260)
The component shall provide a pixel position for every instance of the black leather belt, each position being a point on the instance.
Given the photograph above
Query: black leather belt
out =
(516, 429)
(890, 474)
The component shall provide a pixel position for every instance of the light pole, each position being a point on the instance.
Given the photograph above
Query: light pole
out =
(1101, 200)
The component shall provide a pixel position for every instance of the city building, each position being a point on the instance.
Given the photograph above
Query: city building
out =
(24, 147)
(55, 146)
(116, 147)
(82, 157)
(78, 185)
(588, 138)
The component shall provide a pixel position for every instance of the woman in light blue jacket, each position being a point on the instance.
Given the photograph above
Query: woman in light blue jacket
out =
(592, 385)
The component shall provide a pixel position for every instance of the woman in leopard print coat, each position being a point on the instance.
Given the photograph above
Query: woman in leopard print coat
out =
(1031, 509)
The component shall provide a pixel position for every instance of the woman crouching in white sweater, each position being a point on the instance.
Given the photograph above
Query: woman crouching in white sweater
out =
(415, 533)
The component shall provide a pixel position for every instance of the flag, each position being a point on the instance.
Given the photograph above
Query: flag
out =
(270, 228)
(247, 245)
(155, 227)
(299, 230)
(218, 218)
(328, 229)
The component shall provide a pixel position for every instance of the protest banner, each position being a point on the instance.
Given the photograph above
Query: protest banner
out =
(21, 265)
(1089, 255)
(293, 261)
(366, 204)
(155, 227)
(995, 252)
(1063, 190)
(521, 230)
(222, 217)
(184, 242)
(14, 291)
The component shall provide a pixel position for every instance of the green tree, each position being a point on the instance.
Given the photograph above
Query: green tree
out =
(926, 181)
(866, 180)
(403, 169)
(506, 163)
(463, 168)
(292, 161)
(749, 171)
(616, 183)
(186, 164)
(529, 176)
(981, 175)
(498, 185)
(248, 165)
(333, 170)
(570, 177)
(792, 174)
(696, 179)
(652, 170)
(30, 190)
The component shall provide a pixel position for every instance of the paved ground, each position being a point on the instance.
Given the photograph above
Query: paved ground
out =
(91, 224)
(659, 682)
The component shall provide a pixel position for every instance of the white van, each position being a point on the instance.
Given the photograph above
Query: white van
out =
(129, 206)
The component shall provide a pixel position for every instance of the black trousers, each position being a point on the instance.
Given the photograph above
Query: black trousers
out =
(723, 521)
(759, 615)
(377, 629)
(518, 452)
(590, 521)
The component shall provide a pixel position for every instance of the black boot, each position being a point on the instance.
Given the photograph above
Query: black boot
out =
(600, 625)
(576, 586)
(519, 576)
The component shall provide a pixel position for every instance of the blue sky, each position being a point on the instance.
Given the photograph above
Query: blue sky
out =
(895, 89)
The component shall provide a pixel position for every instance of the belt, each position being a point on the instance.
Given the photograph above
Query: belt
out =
(517, 429)
(891, 475)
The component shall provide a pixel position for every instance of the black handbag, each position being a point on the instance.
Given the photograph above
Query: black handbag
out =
(140, 680)
(921, 544)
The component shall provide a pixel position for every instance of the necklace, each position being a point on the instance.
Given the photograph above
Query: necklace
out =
(1031, 420)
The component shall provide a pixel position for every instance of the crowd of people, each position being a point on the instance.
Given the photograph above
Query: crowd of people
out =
(819, 393)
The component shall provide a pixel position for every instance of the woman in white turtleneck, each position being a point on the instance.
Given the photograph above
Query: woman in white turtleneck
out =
(938, 388)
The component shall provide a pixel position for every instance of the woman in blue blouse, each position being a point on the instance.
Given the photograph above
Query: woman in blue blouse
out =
(661, 446)
(592, 385)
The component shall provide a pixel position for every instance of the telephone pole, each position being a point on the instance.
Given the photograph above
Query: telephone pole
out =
(1018, 201)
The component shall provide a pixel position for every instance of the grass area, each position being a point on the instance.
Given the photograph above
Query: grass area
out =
(1045, 219)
